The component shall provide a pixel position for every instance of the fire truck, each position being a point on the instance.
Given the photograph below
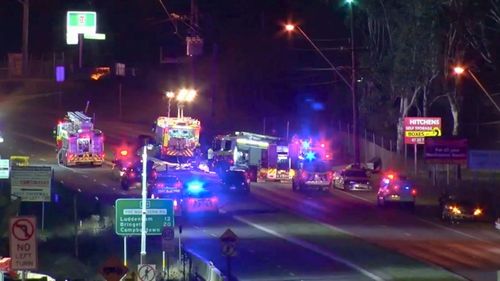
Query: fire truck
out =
(178, 139)
(78, 142)
(244, 151)
(279, 165)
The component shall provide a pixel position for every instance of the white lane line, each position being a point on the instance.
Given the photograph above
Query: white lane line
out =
(85, 176)
(313, 248)
(103, 184)
(427, 221)
(453, 230)
(43, 159)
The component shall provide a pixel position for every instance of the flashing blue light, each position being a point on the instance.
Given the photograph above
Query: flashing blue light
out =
(195, 187)
(407, 188)
(310, 156)
(306, 145)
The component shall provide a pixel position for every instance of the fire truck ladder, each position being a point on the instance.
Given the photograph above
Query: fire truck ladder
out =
(78, 118)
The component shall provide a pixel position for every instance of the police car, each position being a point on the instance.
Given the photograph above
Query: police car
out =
(396, 189)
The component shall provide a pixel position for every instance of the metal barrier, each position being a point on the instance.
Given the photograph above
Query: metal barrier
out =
(202, 269)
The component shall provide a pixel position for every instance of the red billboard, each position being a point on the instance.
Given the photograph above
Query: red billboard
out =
(417, 129)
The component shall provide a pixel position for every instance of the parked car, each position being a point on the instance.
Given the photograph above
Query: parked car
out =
(132, 176)
(236, 180)
(352, 178)
(198, 199)
(313, 174)
(455, 208)
(164, 185)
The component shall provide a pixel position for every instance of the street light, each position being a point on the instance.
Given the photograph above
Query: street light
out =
(170, 95)
(184, 96)
(352, 85)
(459, 70)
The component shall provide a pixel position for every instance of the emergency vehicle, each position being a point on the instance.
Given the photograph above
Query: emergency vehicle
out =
(279, 164)
(78, 142)
(177, 137)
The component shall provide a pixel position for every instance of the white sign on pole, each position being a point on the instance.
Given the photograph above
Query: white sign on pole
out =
(31, 183)
(120, 69)
(4, 169)
(81, 22)
(23, 245)
(146, 272)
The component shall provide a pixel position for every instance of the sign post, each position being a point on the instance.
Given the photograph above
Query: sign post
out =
(417, 129)
(23, 243)
(168, 247)
(228, 240)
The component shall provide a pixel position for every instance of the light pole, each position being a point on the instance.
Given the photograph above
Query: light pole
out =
(146, 147)
(353, 89)
(351, 85)
(170, 95)
(184, 96)
(459, 70)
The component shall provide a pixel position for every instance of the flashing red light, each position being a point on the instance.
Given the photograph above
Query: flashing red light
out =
(327, 156)
(123, 152)
(160, 185)
(132, 174)
(414, 192)
(304, 175)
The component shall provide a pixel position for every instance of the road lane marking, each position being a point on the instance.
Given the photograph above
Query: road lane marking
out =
(313, 248)
(85, 176)
(452, 230)
(43, 159)
(103, 184)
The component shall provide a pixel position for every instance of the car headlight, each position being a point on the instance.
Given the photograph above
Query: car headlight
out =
(455, 210)
(478, 212)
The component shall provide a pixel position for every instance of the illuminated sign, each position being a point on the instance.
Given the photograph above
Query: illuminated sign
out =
(416, 129)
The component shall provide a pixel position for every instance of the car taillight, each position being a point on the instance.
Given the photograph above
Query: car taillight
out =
(396, 187)
(214, 199)
(414, 192)
(330, 175)
(304, 175)
(160, 185)
(132, 175)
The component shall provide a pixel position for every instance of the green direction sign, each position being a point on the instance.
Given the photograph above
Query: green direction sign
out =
(159, 213)
(81, 22)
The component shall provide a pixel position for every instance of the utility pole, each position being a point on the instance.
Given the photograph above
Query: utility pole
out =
(355, 130)
(25, 36)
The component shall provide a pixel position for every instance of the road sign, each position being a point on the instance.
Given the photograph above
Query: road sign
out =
(23, 244)
(159, 213)
(446, 151)
(146, 272)
(94, 36)
(168, 233)
(229, 250)
(167, 240)
(113, 269)
(484, 160)
(416, 129)
(4, 169)
(31, 183)
(81, 22)
(228, 236)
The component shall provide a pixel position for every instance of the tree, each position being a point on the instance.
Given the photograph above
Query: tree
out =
(403, 53)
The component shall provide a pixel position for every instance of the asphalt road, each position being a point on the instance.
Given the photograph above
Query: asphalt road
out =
(283, 235)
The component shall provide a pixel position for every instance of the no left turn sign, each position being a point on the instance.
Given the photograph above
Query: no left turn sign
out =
(23, 244)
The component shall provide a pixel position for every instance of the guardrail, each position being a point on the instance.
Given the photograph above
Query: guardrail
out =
(201, 269)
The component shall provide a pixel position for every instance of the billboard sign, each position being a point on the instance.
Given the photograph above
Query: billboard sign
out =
(31, 183)
(416, 129)
(446, 151)
(484, 160)
(81, 22)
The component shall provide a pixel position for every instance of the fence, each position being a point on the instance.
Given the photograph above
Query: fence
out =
(201, 269)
